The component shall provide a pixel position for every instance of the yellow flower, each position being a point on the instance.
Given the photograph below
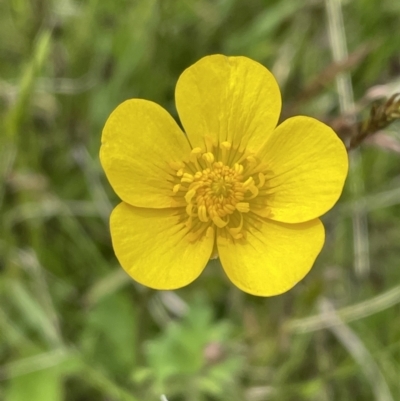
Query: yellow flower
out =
(236, 185)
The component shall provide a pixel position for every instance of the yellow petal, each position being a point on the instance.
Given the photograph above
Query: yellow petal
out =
(274, 256)
(232, 99)
(152, 247)
(139, 139)
(308, 164)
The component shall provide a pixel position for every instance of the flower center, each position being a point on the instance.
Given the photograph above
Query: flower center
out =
(220, 186)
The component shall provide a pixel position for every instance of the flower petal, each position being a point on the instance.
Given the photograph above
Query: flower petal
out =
(274, 256)
(139, 139)
(232, 99)
(309, 165)
(152, 247)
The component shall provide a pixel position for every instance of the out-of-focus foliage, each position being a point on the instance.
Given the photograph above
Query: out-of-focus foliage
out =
(197, 352)
(73, 326)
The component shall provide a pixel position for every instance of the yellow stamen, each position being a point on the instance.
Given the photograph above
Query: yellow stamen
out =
(236, 230)
(209, 158)
(187, 178)
(254, 191)
(243, 207)
(248, 182)
(219, 187)
(189, 209)
(225, 147)
(209, 142)
(238, 168)
(261, 178)
(251, 159)
(189, 195)
(195, 153)
(229, 208)
(202, 212)
(176, 165)
(219, 222)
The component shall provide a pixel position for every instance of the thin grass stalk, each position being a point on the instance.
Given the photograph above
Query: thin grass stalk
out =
(337, 37)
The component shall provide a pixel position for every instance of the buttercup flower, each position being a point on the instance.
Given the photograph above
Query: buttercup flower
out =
(233, 185)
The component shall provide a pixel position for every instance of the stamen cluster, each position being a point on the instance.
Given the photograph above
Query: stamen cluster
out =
(219, 188)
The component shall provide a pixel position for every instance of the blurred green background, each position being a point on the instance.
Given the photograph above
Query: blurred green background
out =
(73, 326)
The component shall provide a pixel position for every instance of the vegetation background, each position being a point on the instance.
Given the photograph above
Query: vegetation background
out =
(73, 326)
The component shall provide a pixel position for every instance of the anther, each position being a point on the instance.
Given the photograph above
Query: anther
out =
(176, 165)
(194, 155)
(238, 168)
(242, 207)
(219, 222)
(239, 195)
(225, 145)
(189, 209)
(187, 178)
(196, 152)
(189, 195)
(229, 208)
(261, 178)
(209, 142)
(251, 159)
(254, 191)
(209, 158)
(236, 230)
(248, 183)
(202, 213)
